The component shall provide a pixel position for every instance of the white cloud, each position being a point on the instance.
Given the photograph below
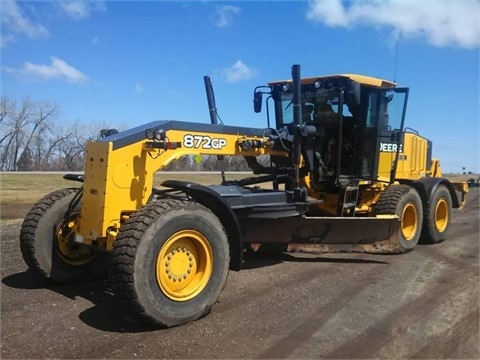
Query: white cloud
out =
(57, 70)
(225, 15)
(237, 72)
(15, 22)
(138, 87)
(81, 9)
(441, 23)
(6, 39)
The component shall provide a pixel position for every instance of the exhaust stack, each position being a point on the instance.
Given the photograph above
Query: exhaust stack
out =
(297, 137)
(212, 108)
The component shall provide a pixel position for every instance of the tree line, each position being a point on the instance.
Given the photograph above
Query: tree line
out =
(33, 137)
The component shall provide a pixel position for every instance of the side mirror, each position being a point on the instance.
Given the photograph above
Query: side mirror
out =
(257, 101)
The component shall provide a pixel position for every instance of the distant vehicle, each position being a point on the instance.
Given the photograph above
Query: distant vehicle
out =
(472, 183)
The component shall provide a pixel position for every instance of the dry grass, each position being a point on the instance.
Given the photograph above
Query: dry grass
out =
(26, 188)
(19, 191)
(16, 188)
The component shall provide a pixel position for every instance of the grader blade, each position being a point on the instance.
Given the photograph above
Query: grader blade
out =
(376, 235)
(364, 235)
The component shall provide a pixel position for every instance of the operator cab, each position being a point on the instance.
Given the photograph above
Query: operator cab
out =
(355, 118)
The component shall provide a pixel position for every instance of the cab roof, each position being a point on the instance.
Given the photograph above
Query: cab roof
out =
(362, 79)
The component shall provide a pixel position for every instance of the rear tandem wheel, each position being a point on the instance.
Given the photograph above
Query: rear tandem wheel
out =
(437, 216)
(170, 262)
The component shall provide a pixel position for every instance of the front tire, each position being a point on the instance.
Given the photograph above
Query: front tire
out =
(170, 262)
(47, 245)
(437, 216)
(403, 201)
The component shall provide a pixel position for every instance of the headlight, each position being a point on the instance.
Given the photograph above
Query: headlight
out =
(155, 134)
(159, 135)
(149, 134)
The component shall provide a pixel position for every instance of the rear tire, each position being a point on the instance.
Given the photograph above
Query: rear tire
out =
(403, 201)
(49, 252)
(437, 216)
(170, 262)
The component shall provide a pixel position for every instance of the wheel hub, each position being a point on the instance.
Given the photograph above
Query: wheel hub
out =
(441, 215)
(179, 264)
(409, 221)
(68, 250)
(184, 265)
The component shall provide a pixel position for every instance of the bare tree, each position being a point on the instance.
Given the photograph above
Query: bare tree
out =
(14, 136)
(6, 108)
(21, 125)
(43, 118)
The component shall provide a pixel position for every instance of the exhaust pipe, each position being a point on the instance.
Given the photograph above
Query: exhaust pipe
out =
(297, 138)
(212, 108)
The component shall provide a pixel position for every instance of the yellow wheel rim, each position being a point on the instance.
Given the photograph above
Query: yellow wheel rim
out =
(69, 251)
(184, 265)
(441, 215)
(409, 221)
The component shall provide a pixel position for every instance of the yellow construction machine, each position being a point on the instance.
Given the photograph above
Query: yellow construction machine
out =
(345, 175)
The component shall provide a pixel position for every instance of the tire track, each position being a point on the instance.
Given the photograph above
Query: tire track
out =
(389, 336)
(304, 330)
(451, 342)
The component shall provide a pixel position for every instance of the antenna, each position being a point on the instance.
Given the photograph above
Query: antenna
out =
(396, 62)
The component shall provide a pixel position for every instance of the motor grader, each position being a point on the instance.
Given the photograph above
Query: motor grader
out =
(345, 175)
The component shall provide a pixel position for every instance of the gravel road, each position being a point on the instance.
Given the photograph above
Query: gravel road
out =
(424, 304)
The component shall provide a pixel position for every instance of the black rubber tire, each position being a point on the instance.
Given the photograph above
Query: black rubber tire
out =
(439, 206)
(139, 245)
(394, 200)
(40, 249)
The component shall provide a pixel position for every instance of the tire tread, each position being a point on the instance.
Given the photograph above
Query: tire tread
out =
(387, 205)
(124, 252)
(27, 231)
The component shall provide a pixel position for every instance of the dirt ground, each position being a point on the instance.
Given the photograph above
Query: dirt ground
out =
(424, 304)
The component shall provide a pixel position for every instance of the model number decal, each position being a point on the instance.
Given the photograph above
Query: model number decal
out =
(203, 142)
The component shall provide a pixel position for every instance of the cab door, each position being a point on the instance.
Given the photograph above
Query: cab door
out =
(383, 137)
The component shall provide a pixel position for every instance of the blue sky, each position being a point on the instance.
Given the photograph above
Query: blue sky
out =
(124, 63)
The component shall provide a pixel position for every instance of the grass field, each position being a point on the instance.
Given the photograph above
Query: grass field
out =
(18, 191)
(28, 187)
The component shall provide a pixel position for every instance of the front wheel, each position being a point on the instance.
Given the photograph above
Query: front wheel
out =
(48, 246)
(403, 201)
(170, 262)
